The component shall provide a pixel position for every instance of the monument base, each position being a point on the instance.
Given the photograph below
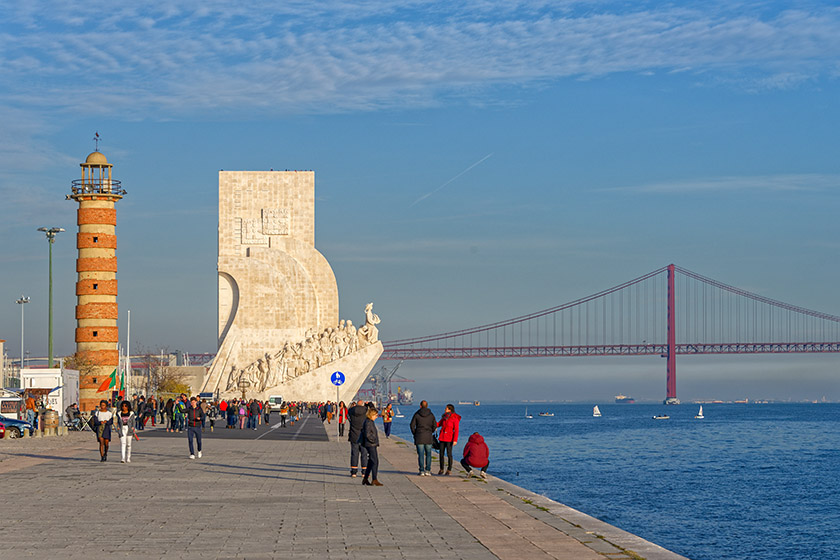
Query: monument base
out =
(315, 386)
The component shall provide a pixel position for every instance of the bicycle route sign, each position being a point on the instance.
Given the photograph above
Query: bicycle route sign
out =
(337, 378)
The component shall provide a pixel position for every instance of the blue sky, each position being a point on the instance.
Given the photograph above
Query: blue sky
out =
(473, 162)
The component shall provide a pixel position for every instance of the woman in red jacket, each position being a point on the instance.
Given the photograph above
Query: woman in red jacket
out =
(448, 437)
(476, 455)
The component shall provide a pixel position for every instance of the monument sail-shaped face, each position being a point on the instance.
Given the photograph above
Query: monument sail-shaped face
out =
(277, 295)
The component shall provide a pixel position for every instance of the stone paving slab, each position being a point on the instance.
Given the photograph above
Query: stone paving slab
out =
(270, 493)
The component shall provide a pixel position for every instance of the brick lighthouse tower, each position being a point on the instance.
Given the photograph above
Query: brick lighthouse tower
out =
(97, 333)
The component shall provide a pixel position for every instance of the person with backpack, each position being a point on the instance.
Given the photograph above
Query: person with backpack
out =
(284, 411)
(179, 410)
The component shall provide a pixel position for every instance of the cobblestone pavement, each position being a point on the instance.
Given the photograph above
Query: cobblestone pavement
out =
(273, 493)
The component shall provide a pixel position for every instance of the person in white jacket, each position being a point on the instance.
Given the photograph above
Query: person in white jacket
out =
(126, 423)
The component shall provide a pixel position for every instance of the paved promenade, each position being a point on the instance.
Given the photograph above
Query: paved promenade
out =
(275, 493)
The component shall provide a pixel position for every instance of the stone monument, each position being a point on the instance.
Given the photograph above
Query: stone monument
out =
(279, 330)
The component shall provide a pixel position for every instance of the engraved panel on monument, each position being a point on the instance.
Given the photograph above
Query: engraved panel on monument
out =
(252, 232)
(276, 221)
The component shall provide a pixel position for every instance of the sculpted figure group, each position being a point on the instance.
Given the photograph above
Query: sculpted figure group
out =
(298, 358)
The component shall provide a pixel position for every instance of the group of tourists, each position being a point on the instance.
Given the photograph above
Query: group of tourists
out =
(427, 431)
(191, 414)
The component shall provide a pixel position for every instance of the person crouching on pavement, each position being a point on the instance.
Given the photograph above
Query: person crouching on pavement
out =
(195, 416)
(476, 455)
(126, 425)
(369, 438)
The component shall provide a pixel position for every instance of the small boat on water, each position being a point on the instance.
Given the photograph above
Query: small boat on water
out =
(661, 417)
(397, 413)
(546, 414)
(700, 413)
(527, 416)
(596, 412)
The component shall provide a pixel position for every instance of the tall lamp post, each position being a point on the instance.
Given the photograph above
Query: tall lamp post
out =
(20, 301)
(51, 233)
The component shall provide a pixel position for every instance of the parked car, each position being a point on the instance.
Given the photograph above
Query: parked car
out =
(15, 427)
(2, 431)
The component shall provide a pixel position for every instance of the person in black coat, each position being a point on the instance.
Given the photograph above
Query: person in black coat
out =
(369, 438)
(423, 427)
(357, 415)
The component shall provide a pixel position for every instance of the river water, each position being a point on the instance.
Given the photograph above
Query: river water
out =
(749, 481)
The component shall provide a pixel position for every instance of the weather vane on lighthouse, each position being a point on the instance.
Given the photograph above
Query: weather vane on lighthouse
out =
(96, 140)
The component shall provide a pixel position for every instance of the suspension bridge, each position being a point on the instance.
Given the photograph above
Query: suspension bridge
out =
(668, 312)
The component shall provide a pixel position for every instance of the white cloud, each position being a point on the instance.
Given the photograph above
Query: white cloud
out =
(167, 61)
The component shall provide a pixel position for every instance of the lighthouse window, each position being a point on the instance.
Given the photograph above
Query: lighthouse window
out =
(96, 286)
(95, 333)
(96, 240)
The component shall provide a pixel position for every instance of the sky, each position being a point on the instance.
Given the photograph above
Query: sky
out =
(473, 162)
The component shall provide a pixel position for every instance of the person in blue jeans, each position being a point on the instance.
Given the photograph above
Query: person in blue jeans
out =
(195, 416)
(423, 427)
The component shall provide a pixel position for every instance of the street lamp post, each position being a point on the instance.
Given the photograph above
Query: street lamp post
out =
(51, 233)
(20, 301)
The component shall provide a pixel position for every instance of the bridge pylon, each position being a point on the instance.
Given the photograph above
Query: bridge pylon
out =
(671, 368)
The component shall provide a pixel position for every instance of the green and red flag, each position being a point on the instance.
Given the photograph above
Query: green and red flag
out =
(109, 383)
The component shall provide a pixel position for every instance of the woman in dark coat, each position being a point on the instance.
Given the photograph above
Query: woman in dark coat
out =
(103, 419)
(369, 438)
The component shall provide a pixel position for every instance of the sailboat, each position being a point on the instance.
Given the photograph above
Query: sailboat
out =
(596, 412)
(527, 416)
(397, 413)
(700, 413)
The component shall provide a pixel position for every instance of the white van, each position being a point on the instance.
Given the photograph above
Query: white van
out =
(275, 401)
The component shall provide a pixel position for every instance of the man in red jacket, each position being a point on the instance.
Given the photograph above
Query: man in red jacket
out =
(476, 455)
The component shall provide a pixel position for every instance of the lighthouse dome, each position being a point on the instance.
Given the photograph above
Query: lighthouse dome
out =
(97, 158)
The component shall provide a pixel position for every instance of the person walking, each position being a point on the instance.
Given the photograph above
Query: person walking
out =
(103, 419)
(387, 418)
(254, 413)
(284, 411)
(342, 418)
(179, 411)
(476, 455)
(357, 415)
(126, 427)
(266, 411)
(195, 417)
(169, 411)
(369, 438)
(448, 437)
(30, 412)
(243, 414)
(422, 427)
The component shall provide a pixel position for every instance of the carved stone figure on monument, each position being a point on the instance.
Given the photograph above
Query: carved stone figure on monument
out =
(352, 339)
(233, 378)
(369, 333)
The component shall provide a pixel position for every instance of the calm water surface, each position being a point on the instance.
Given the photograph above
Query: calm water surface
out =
(749, 481)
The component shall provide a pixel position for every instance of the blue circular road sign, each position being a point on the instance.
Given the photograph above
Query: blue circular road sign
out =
(337, 378)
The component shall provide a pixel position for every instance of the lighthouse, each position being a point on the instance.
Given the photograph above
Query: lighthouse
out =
(97, 333)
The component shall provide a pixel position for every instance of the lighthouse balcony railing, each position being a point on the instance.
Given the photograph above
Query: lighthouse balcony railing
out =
(108, 186)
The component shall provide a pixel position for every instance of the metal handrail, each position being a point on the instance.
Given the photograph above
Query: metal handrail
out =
(83, 186)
